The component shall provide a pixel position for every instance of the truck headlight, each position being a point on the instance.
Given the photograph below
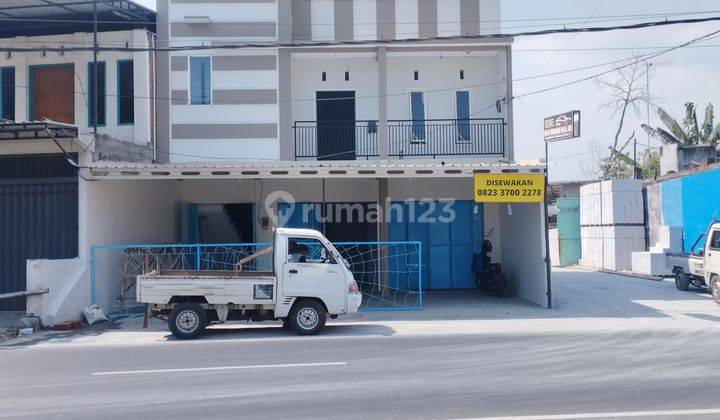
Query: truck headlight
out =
(352, 287)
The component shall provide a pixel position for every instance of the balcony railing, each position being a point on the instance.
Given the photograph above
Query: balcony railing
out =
(406, 138)
(336, 140)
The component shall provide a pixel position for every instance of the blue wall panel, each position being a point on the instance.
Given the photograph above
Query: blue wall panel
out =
(447, 246)
(701, 203)
(672, 198)
(691, 202)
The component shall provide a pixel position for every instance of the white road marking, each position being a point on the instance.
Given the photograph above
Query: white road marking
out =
(622, 414)
(200, 369)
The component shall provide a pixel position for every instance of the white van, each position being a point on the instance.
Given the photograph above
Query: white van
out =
(309, 281)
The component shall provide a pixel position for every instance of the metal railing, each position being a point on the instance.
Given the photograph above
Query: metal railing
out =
(342, 140)
(406, 138)
(472, 137)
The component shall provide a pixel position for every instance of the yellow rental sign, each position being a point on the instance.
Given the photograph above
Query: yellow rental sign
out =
(509, 188)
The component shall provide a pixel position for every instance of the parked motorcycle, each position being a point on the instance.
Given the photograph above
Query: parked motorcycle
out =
(489, 276)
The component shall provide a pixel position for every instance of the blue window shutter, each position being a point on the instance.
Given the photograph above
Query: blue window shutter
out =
(462, 106)
(417, 109)
(200, 80)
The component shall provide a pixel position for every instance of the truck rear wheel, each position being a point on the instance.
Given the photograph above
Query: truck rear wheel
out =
(187, 320)
(715, 288)
(307, 317)
(682, 280)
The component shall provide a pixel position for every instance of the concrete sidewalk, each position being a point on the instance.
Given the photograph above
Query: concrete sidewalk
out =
(584, 301)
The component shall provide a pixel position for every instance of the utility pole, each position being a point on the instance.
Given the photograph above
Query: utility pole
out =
(648, 65)
(95, 70)
(635, 166)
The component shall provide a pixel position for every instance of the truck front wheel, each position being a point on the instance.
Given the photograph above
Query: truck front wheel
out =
(307, 317)
(715, 288)
(682, 280)
(187, 320)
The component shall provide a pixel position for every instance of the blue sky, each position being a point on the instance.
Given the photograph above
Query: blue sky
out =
(690, 74)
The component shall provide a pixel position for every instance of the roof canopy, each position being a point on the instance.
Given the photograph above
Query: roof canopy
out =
(55, 17)
(307, 169)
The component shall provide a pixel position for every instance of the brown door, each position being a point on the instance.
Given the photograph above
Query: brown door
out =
(53, 93)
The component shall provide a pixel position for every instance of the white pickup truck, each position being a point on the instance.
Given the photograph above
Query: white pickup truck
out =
(700, 268)
(308, 282)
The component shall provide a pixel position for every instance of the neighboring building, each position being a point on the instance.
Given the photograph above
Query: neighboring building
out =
(676, 158)
(59, 86)
(40, 195)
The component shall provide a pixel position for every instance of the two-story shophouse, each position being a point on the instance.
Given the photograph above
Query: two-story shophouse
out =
(356, 105)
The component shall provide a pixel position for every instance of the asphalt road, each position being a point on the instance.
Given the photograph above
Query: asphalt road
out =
(644, 373)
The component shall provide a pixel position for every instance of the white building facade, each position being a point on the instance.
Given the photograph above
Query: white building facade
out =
(416, 99)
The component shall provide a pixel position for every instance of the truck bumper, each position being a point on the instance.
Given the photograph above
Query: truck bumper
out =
(354, 301)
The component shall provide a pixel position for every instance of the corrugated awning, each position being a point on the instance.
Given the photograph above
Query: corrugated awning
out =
(36, 131)
(307, 169)
(54, 17)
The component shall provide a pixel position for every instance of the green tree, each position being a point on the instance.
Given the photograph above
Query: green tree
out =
(689, 132)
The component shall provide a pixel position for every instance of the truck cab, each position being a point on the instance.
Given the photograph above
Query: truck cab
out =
(701, 267)
(711, 261)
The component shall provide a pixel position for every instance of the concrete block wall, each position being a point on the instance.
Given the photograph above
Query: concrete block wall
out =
(612, 223)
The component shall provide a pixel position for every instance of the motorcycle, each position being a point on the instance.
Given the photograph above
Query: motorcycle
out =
(489, 276)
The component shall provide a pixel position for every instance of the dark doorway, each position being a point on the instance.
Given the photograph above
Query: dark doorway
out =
(347, 223)
(224, 223)
(335, 125)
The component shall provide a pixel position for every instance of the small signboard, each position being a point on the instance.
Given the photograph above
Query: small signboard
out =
(509, 188)
(562, 127)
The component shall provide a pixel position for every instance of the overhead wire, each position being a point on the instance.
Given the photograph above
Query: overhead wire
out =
(300, 45)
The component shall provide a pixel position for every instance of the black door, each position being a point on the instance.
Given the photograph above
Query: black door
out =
(335, 125)
(38, 217)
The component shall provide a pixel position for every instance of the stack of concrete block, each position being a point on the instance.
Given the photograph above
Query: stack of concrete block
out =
(652, 263)
(611, 223)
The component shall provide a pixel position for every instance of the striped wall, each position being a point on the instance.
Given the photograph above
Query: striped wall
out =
(242, 119)
(328, 20)
(339, 20)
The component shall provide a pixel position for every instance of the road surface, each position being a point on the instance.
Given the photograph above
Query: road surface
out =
(457, 376)
(614, 347)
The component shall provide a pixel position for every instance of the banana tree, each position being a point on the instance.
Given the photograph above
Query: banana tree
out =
(689, 132)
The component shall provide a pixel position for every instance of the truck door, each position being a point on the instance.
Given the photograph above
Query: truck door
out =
(311, 271)
(712, 254)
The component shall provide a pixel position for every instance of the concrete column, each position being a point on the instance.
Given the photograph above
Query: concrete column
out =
(286, 136)
(510, 152)
(285, 27)
(383, 233)
(163, 83)
(383, 138)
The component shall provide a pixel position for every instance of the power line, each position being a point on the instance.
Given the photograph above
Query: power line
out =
(300, 45)
(461, 87)
(567, 43)
(556, 20)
